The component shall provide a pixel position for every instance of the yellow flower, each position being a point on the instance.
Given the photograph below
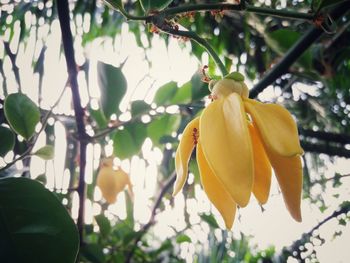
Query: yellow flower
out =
(111, 182)
(237, 140)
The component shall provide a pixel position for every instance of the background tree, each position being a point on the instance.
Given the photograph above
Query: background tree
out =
(68, 88)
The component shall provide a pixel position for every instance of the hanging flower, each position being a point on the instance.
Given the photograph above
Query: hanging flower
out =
(237, 141)
(111, 182)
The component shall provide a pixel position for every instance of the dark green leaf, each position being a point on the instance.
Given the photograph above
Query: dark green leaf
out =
(199, 88)
(183, 238)
(326, 3)
(154, 5)
(104, 225)
(165, 93)
(128, 142)
(22, 114)
(46, 152)
(93, 253)
(139, 107)
(183, 94)
(7, 140)
(112, 85)
(34, 225)
(210, 220)
(163, 126)
(99, 117)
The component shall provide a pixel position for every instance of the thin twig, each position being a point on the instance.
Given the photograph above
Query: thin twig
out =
(336, 177)
(295, 247)
(151, 221)
(67, 39)
(32, 143)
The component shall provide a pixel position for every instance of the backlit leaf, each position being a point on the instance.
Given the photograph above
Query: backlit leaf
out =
(112, 85)
(22, 114)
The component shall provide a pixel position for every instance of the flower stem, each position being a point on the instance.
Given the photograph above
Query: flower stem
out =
(201, 41)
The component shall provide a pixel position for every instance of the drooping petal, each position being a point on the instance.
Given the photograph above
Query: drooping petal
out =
(262, 167)
(183, 153)
(215, 190)
(276, 126)
(226, 144)
(289, 173)
(111, 182)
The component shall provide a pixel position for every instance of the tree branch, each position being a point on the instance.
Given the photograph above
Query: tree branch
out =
(296, 51)
(216, 7)
(67, 39)
(326, 149)
(237, 7)
(326, 136)
(15, 69)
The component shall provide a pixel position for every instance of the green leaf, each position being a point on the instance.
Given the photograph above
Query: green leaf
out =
(46, 152)
(34, 225)
(183, 238)
(7, 140)
(154, 5)
(99, 117)
(210, 220)
(165, 93)
(163, 126)
(183, 94)
(115, 3)
(128, 142)
(199, 88)
(22, 114)
(139, 107)
(104, 225)
(112, 85)
(93, 253)
(283, 39)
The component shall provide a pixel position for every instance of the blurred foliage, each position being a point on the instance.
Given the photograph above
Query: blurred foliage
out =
(315, 89)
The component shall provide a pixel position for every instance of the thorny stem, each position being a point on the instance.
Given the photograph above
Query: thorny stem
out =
(67, 39)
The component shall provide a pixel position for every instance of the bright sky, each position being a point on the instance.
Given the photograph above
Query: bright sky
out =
(273, 227)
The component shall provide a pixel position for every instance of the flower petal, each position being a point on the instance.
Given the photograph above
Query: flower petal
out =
(262, 167)
(276, 126)
(183, 154)
(227, 147)
(289, 173)
(215, 190)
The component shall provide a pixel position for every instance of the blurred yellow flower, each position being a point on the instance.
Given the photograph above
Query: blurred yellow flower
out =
(111, 182)
(237, 140)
